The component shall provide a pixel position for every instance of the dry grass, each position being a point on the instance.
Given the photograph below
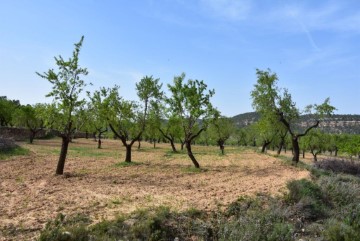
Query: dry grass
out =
(95, 184)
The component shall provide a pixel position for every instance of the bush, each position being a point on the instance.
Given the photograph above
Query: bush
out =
(66, 229)
(339, 166)
(309, 202)
(259, 218)
(340, 190)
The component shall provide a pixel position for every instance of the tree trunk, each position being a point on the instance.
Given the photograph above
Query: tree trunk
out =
(128, 153)
(182, 144)
(265, 144)
(139, 145)
(221, 145)
(86, 135)
(303, 154)
(154, 143)
(295, 150)
(280, 148)
(63, 153)
(173, 145)
(32, 136)
(99, 143)
(222, 148)
(190, 154)
(336, 152)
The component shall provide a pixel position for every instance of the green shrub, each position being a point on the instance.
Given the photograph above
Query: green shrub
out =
(64, 228)
(340, 231)
(307, 199)
(15, 151)
(299, 189)
(340, 190)
(258, 218)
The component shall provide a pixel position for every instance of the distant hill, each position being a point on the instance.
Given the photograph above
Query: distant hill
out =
(335, 124)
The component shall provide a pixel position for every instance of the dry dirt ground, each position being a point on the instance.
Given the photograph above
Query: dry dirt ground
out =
(30, 193)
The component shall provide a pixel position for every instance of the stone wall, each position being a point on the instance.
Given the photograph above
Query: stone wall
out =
(22, 134)
(6, 144)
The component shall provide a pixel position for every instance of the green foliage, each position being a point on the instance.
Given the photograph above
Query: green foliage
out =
(350, 145)
(65, 228)
(7, 108)
(190, 102)
(16, 151)
(220, 129)
(67, 86)
(307, 198)
(128, 119)
(259, 218)
(299, 189)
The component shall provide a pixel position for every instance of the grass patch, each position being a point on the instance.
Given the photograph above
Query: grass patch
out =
(16, 151)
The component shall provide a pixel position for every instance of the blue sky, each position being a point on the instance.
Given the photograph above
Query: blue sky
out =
(313, 46)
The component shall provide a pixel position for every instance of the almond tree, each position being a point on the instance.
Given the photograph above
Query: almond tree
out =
(67, 85)
(269, 100)
(190, 102)
(127, 119)
(30, 117)
(221, 129)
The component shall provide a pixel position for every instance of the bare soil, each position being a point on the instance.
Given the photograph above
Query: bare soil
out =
(94, 183)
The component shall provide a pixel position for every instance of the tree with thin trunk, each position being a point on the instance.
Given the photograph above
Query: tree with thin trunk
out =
(221, 128)
(171, 130)
(127, 119)
(30, 117)
(267, 130)
(67, 85)
(190, 102)
(152, 130)
(97, 115)
(269, 100)
(315, 142)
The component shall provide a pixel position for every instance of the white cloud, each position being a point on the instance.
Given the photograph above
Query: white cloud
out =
(228, 9)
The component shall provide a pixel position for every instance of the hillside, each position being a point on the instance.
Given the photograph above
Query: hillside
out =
(335, 124)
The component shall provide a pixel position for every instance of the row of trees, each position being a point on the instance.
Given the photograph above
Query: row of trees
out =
(183, 116)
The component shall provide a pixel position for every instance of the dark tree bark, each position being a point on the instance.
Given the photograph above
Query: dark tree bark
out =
(295, 137)
(336, 151)
(282, 142)
(303, 153)
(265, 145)
(254, 142)
(221, 145)
(182, 144)
(139, 144)
(63, 153)
(33, 131)
(314, 153)
(128, 153)
(295, 149)
(191, 155)
(100, 131)
(123, 138)
(170, 138)
(188, 141)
